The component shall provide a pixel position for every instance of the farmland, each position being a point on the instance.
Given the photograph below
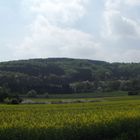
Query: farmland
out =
(110, 118)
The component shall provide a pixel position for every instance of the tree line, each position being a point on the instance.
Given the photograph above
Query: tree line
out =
(63, 75)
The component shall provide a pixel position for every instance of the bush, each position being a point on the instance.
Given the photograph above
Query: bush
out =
(13, 100)
(133, 92)
(46, 95)
(32, 94)
(4, 93)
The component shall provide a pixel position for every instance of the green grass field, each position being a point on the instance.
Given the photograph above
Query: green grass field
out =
(113, 118)
(89, 95)
(97, 96)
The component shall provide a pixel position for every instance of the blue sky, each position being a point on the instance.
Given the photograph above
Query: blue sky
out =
(106, 30)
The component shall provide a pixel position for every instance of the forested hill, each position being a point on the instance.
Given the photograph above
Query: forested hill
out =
(64, 75)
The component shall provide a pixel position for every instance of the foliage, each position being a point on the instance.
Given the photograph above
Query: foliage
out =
(7, 97)
(46, 95)
(4, 93)
(13, 100)
(83, 87)
(133, 93)
(56, 75)
(32, 94)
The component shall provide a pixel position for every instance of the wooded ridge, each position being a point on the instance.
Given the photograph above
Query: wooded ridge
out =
(66, 75)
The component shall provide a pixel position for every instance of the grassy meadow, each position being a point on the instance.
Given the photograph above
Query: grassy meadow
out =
(96, 96)
(109, 118)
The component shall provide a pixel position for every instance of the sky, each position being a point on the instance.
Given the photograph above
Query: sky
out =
(107, 30)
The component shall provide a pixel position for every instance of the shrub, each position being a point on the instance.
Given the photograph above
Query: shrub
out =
(4, 93)
(133, 92)
(46, 95)
(32, 94)
(13, 100)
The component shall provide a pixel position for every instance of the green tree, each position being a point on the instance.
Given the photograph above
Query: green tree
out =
(32, 94)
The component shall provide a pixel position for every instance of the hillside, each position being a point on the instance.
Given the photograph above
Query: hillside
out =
(64, 75)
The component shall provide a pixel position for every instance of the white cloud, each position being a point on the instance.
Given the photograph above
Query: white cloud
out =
(119, 24)
(133, 2)
(50, 33)
(121, 32)
(57, 11)
(112, 4)
(47, 40)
